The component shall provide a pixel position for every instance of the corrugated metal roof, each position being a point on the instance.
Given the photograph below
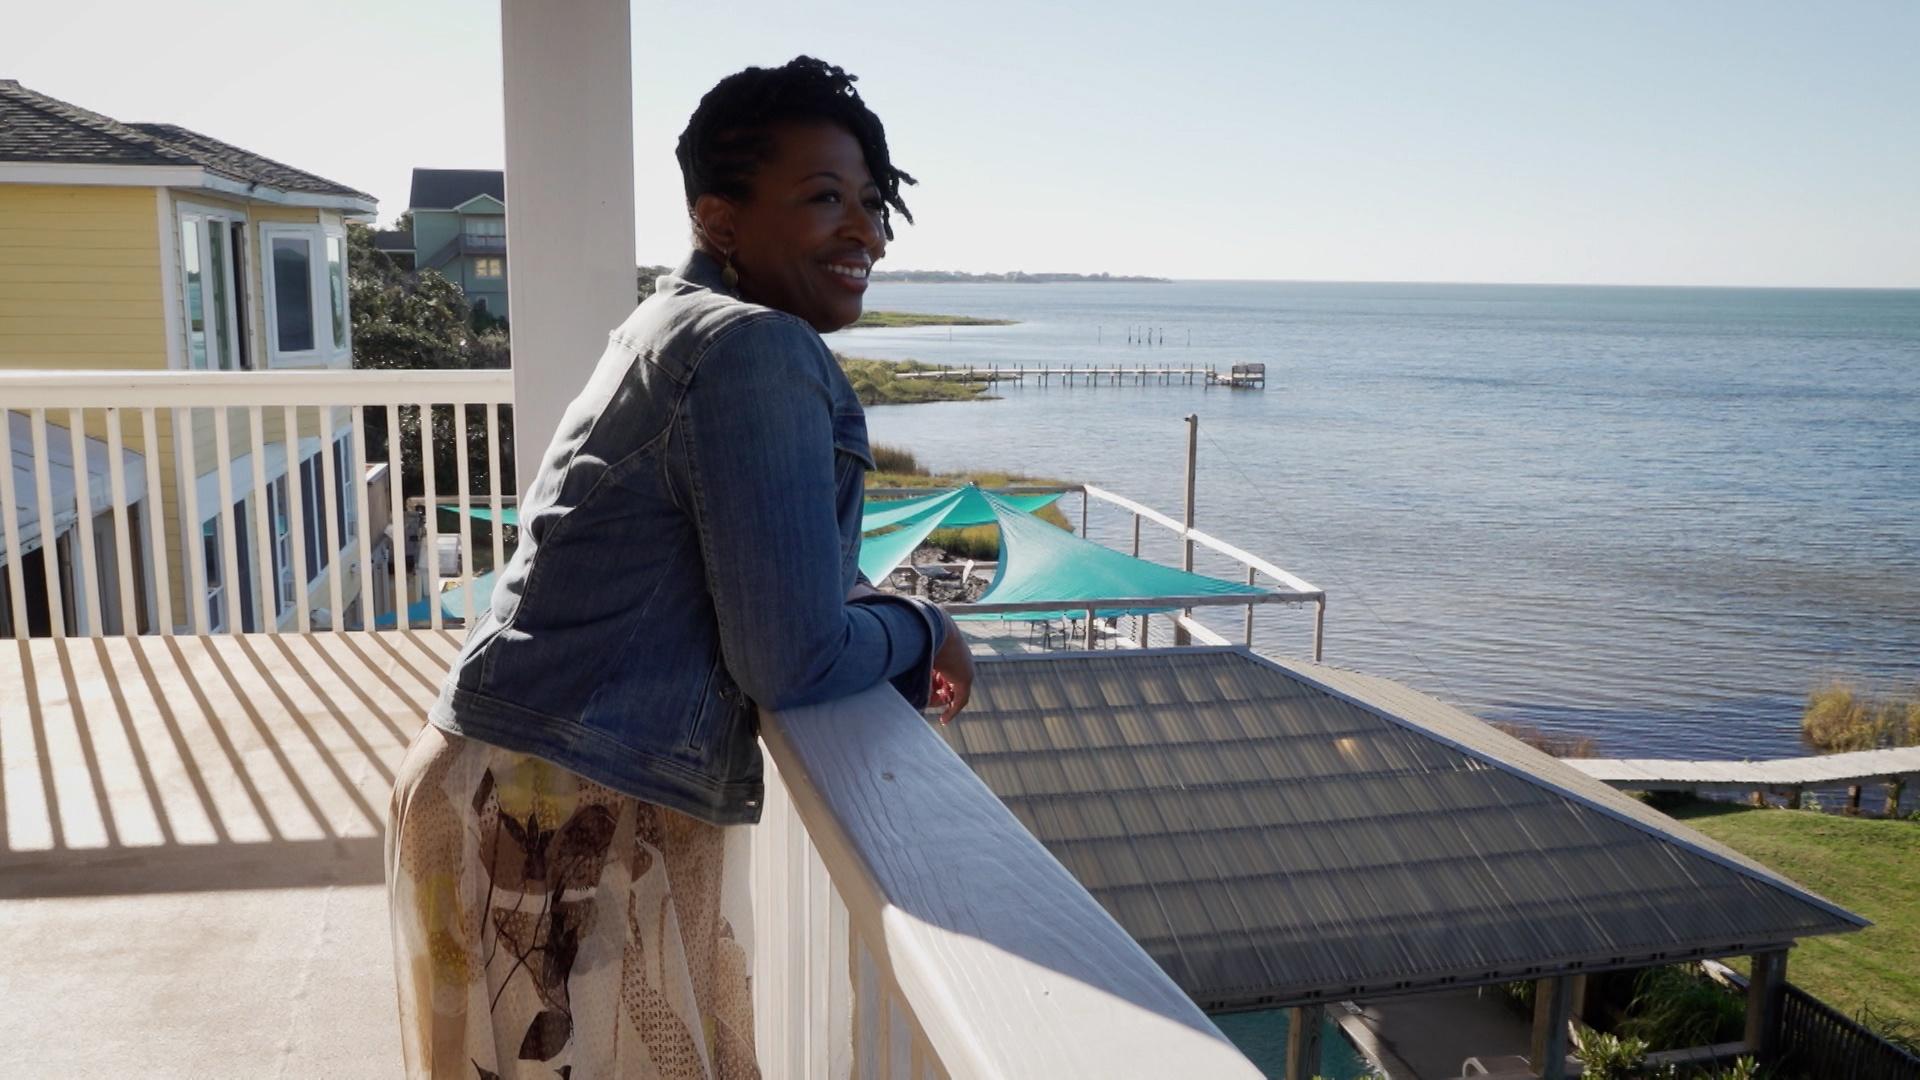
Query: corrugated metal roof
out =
(1276, 832)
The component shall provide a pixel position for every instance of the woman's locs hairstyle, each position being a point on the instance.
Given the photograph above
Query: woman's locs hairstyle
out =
(730, 133)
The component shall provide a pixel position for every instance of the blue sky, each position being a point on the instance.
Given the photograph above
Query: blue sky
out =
(1623, 142)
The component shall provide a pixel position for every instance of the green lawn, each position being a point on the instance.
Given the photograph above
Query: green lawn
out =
(1870, 867)
(915, 318)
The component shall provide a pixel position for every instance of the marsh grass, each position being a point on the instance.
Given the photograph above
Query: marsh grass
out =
(916, 318)
(1841, 717)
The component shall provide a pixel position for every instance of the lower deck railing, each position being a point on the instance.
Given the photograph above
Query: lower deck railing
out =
(165, 502)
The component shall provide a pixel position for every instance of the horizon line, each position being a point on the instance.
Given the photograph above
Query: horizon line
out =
(1170, 279)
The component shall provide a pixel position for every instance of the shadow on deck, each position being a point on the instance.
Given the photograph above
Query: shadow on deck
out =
(149, 765)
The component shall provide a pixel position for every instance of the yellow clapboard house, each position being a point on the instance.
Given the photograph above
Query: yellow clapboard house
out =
(149, 247)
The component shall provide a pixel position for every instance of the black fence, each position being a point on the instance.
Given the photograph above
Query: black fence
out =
(1823, 1042)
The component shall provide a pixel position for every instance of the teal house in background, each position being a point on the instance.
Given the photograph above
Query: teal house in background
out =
(460, 229)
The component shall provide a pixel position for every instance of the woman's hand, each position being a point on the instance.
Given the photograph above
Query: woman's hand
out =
(952, 672)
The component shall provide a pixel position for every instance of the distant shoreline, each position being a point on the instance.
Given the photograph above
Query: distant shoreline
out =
(895, 319)
(1011, 277)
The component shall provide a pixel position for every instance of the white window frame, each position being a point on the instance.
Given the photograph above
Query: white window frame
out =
(479, 259)
(342, 348)
(280, 535)
(326, 352)
(312, 489)
(349, 505)
(216, 589)
(236, 318)
(230, 600)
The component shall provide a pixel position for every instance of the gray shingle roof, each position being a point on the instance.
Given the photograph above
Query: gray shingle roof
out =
(1275, 833)
(444, 189)
(35, 127)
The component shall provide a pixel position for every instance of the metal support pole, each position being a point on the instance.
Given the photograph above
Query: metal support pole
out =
(1089, 628)
(1141, 629)
(1766, 990)
(1303, 1041)
(1180, 634)
(1083, 514)
(1250, 574)
(1319, 626)
(1552, 1005)
(1136, 536)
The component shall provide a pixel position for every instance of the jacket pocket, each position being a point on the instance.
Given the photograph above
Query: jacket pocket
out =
(718, 705)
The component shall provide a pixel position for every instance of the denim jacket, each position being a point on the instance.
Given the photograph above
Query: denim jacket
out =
(686, 551)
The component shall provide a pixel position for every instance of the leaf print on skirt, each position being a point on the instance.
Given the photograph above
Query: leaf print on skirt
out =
(547, 926)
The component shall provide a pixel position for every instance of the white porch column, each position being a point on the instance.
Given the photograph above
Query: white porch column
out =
(570, 231)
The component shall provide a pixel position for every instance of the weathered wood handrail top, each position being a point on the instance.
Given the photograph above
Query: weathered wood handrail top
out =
(1009, 964)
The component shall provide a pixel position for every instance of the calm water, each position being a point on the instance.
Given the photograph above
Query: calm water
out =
(1653, 516)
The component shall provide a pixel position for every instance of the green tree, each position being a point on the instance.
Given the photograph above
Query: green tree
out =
(646, 274)
(421, 321)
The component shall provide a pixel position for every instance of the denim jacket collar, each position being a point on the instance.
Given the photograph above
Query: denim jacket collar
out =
(701, 269)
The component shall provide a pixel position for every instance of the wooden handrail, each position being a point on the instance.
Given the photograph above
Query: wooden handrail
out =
(22, 390)
(1001, 960)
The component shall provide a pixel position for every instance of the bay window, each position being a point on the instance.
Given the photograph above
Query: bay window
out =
(306, 297)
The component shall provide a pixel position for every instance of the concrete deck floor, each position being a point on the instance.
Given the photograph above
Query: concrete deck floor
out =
(190, 852)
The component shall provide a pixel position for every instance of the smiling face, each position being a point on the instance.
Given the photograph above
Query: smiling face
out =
(805, 239)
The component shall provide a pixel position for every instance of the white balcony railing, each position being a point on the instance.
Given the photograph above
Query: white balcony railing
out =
(196, 509)
(906, 925)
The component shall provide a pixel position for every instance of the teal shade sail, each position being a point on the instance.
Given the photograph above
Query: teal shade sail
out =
(878, 514)
(882, 555)
(1039, 562)
(509, 515)
(969, 511)
(917, 517)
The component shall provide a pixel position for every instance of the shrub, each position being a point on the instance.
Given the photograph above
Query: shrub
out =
(895, 459)
(1676, 1007)
(1520, 994)
(1610, 1057)
(1839, 718)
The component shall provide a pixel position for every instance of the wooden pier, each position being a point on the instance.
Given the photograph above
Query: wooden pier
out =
(1893, 767)
(1240, 376)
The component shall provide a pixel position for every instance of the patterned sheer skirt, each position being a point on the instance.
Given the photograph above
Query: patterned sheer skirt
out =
(547, 926)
